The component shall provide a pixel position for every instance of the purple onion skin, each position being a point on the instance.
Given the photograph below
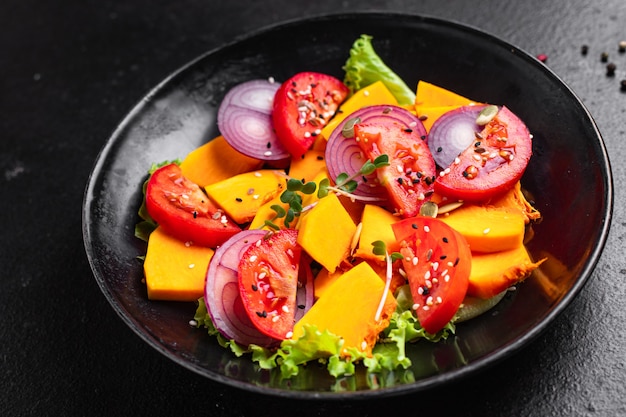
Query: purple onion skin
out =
(244, 118)
(453, 132)
(221, 292)
(343, 155)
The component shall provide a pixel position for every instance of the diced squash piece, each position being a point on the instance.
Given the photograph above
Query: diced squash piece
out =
(174, 270)
(487, 228)
(215, 161)
(515, 199)
(266, 212)
(494, 272)
(308, 166)
(431, 101)
(375, 225)
(348, 309)
(431, 95)
(323, 280)
(241, 196)
(326, 231)
(375, 93)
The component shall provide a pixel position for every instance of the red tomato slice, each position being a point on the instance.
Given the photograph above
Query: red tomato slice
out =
(491, 165)
(302, 106)
(411, 172)
(181, 208)
(437, 261)
(268, 282)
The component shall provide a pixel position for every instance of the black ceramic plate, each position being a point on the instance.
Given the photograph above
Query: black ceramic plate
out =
(569, 178)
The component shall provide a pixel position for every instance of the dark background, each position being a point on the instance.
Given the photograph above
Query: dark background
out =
(71, 70)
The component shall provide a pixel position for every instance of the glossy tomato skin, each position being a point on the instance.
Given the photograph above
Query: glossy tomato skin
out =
(181, 208)
(437, 261)
(410, 176)
(492, 164)
(302, 106)
(268, 282)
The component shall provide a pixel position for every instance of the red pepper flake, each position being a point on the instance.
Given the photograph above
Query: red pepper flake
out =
(542, 57)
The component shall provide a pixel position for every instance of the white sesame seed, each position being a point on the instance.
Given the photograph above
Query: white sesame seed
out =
(415, 306)
(429, 301)
(363, 345)
(275, 319)
(258, 174)
(487, 230)
(426, 229)
(188, 243)
(267, 153)
(285, 309)
(435, 266)
(193, 323)
(271, 80)
(426, 308)
(420, 290)
(439, 300)
(366, 93)
(415, 260)
(427, 275)
(253, 258)
(288, 335)
(191, 266)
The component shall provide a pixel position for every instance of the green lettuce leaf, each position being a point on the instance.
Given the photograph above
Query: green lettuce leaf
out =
(365, 67)
(147, 223)
(324, 347)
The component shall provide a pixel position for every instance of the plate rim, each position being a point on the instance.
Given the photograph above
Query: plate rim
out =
(479, 365)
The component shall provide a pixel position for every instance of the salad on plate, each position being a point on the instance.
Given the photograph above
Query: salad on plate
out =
(339, 220)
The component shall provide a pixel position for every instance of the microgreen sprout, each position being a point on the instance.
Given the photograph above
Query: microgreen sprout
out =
(346, 184)
(380, 248)
(293, 198)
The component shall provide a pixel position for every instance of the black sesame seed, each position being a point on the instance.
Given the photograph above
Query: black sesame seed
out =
(238, 199)
(414, 225)
(262, 314)
(254, 287)
(195, 214)
(445, 239)
(439, 149)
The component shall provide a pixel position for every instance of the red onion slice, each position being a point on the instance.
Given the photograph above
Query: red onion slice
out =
(453, 132)
(344, 155)
(244, 119)
(221, 292)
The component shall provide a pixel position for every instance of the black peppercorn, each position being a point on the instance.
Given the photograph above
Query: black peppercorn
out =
(610, 69)
(623, 85)
(604, 57)
(584, 49)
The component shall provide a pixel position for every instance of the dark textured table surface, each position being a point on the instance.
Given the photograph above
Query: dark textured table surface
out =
(71, 70)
